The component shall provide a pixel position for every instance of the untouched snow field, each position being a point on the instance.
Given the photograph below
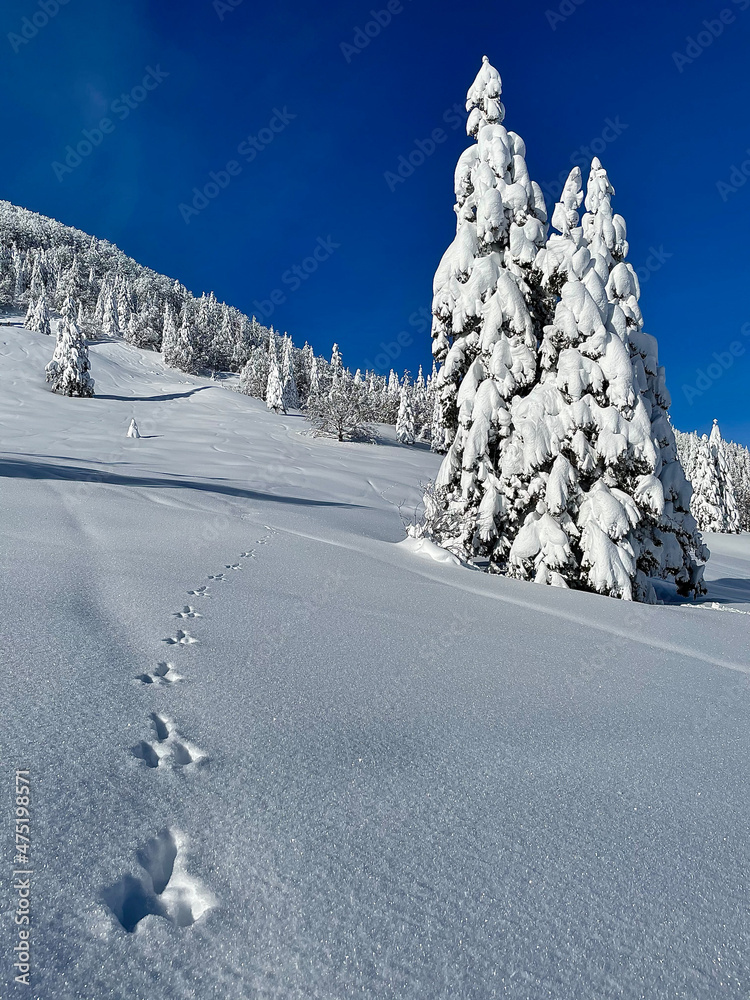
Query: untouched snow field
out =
(365, 772)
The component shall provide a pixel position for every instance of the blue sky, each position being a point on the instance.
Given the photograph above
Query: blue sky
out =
(316, 121)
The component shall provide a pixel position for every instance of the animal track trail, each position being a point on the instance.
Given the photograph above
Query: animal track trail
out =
(199, 592)
(164, 889)
(167, 746)
(219, 577)
(187, 612)
(180, 639)
(235, 566)
(163, 673)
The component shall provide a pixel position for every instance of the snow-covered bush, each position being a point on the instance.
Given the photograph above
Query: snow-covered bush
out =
(340, 409)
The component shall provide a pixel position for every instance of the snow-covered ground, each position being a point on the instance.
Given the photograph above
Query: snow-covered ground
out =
(372, 773)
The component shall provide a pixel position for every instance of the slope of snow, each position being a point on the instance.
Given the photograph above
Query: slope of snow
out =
(364, 773)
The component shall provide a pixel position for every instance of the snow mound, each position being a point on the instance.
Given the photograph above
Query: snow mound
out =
(429, 550)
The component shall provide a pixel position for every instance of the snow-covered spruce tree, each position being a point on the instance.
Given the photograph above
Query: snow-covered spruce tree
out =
(37, 314)
(68, 371)
(21, 279)
(687, 450)
(739, 465)
(489, 307)
(7, 277)
(185, 354)
(241, 346)
(405, 419)
(601, 496)
(274, 386)
(110, 313)
(37, 318)
(584, 488)
(729, 514)
(221, 347)
(706, 500)
(254, 375)
(337, 364)
(84, 320)
(288, 380)
(169, 336)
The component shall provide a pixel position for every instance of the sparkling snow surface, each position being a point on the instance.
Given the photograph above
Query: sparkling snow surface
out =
(275, 755)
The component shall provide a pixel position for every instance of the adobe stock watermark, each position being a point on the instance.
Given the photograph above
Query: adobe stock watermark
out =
(379, 19)
(248, 149)
(563, 13)
(121, 107)
(738, 178)
(390, 351)
(224, 7)
(722, 362)
(655, 261)
(712, 29)
(31, 26)
(423, 149)
(294, 277)
(583, 156)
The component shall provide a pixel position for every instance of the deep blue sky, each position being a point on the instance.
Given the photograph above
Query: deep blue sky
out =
(322, 176)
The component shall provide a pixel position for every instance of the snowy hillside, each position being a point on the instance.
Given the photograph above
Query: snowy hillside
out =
(274, 753)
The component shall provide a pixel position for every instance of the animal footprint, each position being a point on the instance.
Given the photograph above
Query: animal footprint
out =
(153, 751)
(163, 890)
(187, 612)
(199, 592)
(234, 566)
(247, 555)
(222, 577)
(167, 744)
(163, 673)
(181, 639)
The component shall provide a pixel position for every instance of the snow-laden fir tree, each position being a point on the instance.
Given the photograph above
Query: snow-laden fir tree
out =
(599, 493)
(274, 386)
(729, 513)
(169, 336)
(110, 313)
(134, 331)
(254, 375)
(487, 302)
(337, 364)
(488, 310)
(739, 467)
(69, 370)
(124, 306)
(721, 490)
(84, 320)
(706, 500)
(288, 380)
(570, 476)
(222, 345)
(7, 277)
(37, 316)
(405, 420)
(182, 352)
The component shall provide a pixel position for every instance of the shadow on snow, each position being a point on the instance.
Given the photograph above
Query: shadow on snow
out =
(13, 468)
